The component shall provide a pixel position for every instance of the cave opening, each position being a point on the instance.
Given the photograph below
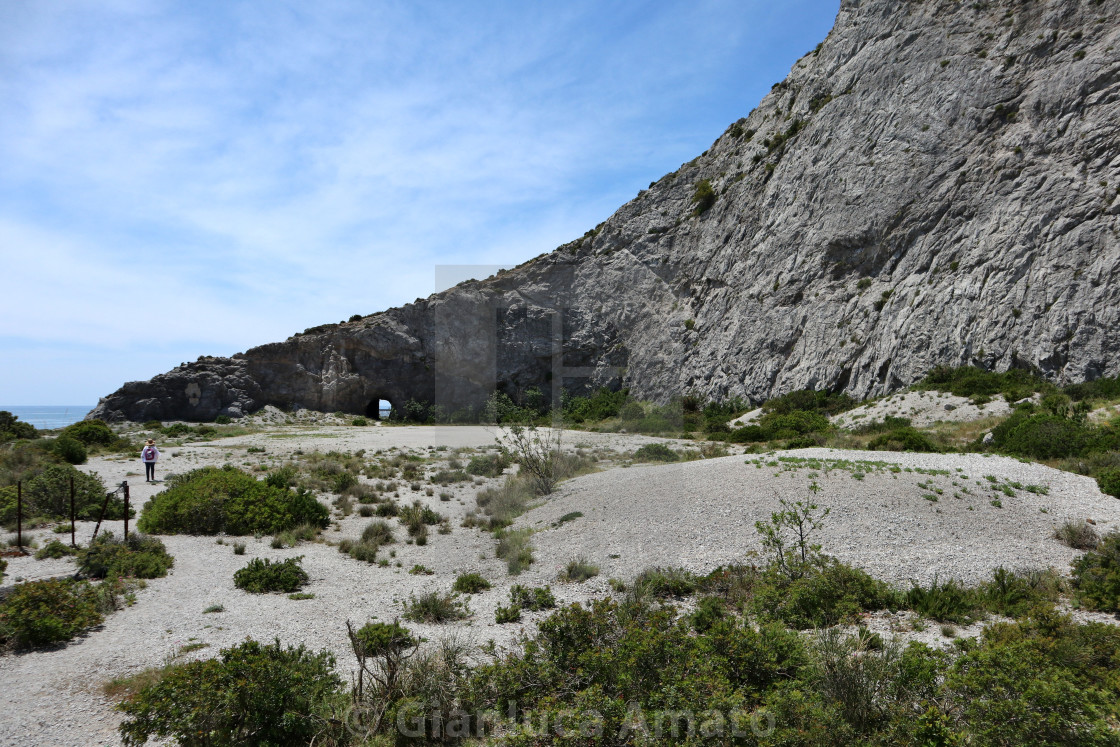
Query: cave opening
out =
(379, 409)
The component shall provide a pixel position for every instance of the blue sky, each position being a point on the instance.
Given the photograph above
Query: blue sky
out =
(185, 179)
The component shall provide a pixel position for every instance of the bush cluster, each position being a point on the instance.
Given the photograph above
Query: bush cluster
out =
(253, 694)
(470, 583)
(262, 576)
(212, 500)
(13, 429)
(39, 613)
(1097, 575)
(969, 381)
(488, 465)
(139, 556)
(435, 608)
(46, 497)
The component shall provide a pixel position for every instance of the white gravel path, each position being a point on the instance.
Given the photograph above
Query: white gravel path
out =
(696, 514)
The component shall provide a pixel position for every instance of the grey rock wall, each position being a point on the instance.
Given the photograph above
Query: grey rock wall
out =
(938, 182)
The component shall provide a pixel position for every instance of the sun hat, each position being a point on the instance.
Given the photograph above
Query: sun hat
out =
(151, 441)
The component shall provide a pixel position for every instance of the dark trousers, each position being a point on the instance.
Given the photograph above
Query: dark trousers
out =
(149, 471)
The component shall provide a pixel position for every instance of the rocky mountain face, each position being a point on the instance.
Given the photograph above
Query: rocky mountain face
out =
(937, 183)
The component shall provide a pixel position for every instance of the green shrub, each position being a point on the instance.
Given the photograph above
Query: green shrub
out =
(708, 612)
(515, 546)
(969, 381)
(47, 495)
(748, 434)
(69, 449)
(1079, 535)
(488, 465)
(1013, 594)
(90, 432)
(1108, 480)
(434, 607)
(378, 533)
(947, 601)
(140, 557)
(533, 599)
(665, 583)
(599, 406)
(55, 550)
(655, 453)
(1043, 436)
(903, 439)
(12, 428)
(38, 613)
(470, 583)
(3, 567)
(579, 570)
(1100, 389)
(703, 197)
(828, 592)
(1096, 576)
(1040, 682)
(503, 615)
(261, 576)
(210, 500)
(359, 421)
(254, 694)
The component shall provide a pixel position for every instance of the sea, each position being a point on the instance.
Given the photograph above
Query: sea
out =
(48, 417)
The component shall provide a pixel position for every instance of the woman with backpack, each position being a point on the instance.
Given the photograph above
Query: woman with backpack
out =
(149, 456)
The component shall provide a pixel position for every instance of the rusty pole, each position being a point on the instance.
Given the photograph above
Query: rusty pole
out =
(125, 486)
(72, 541)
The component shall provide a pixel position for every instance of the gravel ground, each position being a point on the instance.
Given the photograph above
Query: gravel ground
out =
(696, 514)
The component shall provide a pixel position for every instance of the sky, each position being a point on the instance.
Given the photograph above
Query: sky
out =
(185, 179)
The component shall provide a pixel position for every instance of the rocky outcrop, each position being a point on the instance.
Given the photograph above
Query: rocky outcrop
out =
(937, 182)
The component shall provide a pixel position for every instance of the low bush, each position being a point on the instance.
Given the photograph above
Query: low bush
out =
(90, 433)
(826, 593)
(947, 601)
(253, 694)
(1046, 436)
(504, 503)
(492, 464)
(1108, 480)
(470, 583)
(261, 576)
(515, 546)
(531, 598)
(434, 607)
(503, 615)
(601, 405)
(1079, 535)
(969, 381)
(46, 495)
(139, 557)
(69, 449)
(1096, 576)
(665, 583)
(579, 570)
(3, 567)
(1014, 594)
(655, 453)
(378, 533)
(227, 500)
(55, 550)
(809, 400)
(39, 613)
(12, 428)
(904, 439)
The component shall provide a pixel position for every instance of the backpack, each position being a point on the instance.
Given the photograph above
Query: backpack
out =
(150, 454)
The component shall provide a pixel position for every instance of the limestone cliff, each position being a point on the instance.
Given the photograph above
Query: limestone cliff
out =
(937, 182)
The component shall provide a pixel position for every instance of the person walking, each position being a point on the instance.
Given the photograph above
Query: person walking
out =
(149, 456)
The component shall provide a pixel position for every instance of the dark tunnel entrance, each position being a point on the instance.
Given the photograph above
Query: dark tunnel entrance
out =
(379, 409)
